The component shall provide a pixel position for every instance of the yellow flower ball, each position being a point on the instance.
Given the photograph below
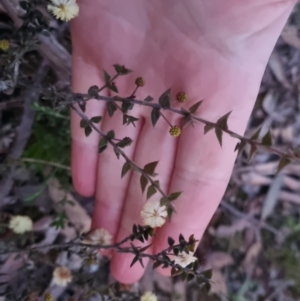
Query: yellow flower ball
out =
(175, 131)
(4, 45)
(181, 97)
(140, 82)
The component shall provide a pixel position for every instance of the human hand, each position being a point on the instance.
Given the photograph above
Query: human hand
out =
(214, 50)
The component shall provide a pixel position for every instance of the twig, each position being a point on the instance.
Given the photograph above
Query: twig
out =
(252, 219)
(195, 118)
(54, 164)
(120, 151)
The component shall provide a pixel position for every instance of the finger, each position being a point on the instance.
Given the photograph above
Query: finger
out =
(162, 149)
(85, 149)
(111, 188)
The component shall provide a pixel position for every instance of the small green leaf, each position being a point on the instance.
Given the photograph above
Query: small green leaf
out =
(126, 167)
(106, 77)
(165, 99)
(83, 123)
(186, 120)
(148, 99)
(222, 122)
(284, 161)
(150, 167)
(241, 146)
(102, 145)
(171, 241)
(256, 134)
(111, 108)
(164, 201)
(125, 142)
(151, 191)
(96, 119)
(252, 152)
(155, 114)
(93, 91)
(207, 274)
(207, 128)
(121, 70)
(190, 277)
(144, 182)
(195, 107)
(126, 106)
(127, 119)
(175, 195)
(267, 139)
(87, 130)
(110, 135)
(82, 106)
(156, 265)
(219, 135)
(112, 87)
(135, 259)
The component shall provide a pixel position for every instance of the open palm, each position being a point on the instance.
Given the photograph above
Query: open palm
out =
(214, 50)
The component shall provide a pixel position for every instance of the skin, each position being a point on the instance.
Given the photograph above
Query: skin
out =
(215, 50)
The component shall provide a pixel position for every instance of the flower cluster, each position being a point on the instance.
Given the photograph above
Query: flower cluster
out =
(20, 224)
(153, 214)
(62, 276)
(4, 45)
(64, 10)
(175, 131)
(98, 237)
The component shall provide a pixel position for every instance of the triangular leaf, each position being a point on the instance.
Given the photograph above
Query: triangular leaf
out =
(148, 99)
(125, 142)
(112, 87)
(150, 167)
(155, 114)
(284, 161)
(252, 151)
(222, 122)
(165, 99)
(144, 182)
(219, 135)
(83, 123)
(175, 195)
(207, 274)
(111, 108)
(267, 139)
(135, 259)
(121, 70)
(207, 128)
(102, 145)
(106, 77)
(110, 135)
(126, 167)
(186, 120)
(256, 134)
(195, 107)
(87, 130)
(151, 191)
(96, 119)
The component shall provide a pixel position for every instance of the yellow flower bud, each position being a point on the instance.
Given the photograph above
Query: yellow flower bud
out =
(175, 131)
(48, 297)
(140, 82)
(181, 97)
(4, 45)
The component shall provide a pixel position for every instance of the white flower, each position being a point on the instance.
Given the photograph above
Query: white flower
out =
(64, 10)
(99, 237)
(62, 276)
(20, 224)
(183, 259)
(153, 214)
(148, 296)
